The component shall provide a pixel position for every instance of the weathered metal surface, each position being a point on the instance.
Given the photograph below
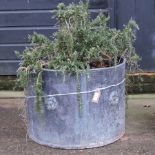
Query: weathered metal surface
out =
(64, 125)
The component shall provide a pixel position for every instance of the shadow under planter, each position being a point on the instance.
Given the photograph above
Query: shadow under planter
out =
(98, 121)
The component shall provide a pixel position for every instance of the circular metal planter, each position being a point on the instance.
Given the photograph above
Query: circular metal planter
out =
(99, 122)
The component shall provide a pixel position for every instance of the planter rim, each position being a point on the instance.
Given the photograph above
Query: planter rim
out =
(94, 69)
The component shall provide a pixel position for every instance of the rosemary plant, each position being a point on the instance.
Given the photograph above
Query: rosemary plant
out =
(80, 43)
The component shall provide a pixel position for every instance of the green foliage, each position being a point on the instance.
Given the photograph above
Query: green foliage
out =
(79, 44)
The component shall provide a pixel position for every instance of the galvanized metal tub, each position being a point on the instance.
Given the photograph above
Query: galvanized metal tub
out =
(64, 124)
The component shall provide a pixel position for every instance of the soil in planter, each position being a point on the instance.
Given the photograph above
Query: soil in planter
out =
(106, 62)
